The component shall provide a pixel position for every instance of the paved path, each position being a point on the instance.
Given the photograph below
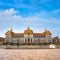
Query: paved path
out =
(29, 54)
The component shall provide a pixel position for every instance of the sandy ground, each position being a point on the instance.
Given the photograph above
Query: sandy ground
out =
(29, 54)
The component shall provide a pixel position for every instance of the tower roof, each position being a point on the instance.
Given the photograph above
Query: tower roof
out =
(9, 32)
(28, 31)
(46, 32)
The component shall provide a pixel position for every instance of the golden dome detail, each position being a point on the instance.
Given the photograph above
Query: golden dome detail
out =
(9, 32)
(46, 32)
(28, 31)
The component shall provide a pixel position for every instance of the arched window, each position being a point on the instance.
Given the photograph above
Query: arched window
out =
(31, 40)
(28, 40)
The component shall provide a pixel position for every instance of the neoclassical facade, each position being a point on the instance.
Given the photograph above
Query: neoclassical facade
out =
(28, 37)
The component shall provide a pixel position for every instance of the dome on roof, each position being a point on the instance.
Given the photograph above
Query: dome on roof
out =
(28, 31)
(9, 32)
(47, 32)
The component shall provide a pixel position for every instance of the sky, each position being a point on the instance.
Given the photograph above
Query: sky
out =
(38, 14)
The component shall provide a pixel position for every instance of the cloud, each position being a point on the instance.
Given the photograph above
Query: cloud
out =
(8, 12)
(55, 11)
(42, 17)
(10, 18)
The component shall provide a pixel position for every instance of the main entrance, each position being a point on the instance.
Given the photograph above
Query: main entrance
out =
(28, 41)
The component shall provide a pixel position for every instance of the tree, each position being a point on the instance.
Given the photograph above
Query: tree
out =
(18, 42)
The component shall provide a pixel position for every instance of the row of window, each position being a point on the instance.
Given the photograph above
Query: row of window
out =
(40, 36)
(17, 36)
(34, 36)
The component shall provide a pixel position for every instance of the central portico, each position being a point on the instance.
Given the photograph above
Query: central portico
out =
(28, 35)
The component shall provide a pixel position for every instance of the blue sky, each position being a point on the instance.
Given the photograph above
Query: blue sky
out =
(38, 14)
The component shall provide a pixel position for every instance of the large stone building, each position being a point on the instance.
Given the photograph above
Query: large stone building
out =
(28, 37)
